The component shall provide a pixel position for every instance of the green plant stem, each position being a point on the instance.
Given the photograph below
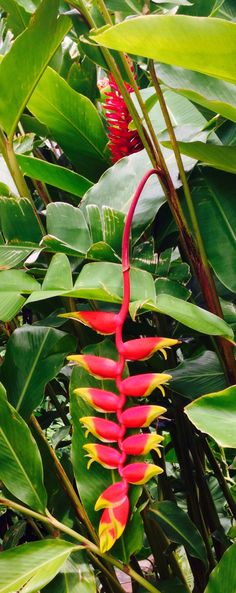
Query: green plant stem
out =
(87, 544)
(6, 147)
(204, 272)
(66, 483)
(219, 475)
(70, 491)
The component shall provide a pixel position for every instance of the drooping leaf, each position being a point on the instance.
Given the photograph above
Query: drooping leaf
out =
(54, 175)
(73, 121)
(198, 375)
(213, 194)
(13, 284)
(179, 528)
(223, 577)
(76, 577)
(173, 39)
(44, 349)
(31, 566)
(20, 462)
(216, 95)
(18, 75)
(19, 223)
(192, 316)
(215, 414)
(118, 184)
(18, 18)
(219, 157)
(67, 229)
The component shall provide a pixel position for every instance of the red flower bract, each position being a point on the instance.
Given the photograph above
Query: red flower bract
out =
(122, 140)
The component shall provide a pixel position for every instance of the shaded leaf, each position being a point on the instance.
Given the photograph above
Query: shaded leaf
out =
(55, 175)
(198, 375)
(44, 349)
(179, 528)
(20, 466)
(76, 577)
(19, 223)
(73, 121)
(224, 575)
(20, 75)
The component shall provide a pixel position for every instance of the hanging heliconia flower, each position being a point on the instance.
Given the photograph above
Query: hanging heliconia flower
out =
(115, 500)
(122, 140)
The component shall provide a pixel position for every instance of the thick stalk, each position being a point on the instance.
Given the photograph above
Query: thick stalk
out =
(203, 271)
(9, 156)
(66, 483)
(219, 475)
(83, 541)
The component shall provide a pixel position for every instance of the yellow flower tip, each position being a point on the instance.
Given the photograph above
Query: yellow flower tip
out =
(106, 541)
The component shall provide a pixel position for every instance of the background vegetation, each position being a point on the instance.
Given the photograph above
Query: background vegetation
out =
(62, 210)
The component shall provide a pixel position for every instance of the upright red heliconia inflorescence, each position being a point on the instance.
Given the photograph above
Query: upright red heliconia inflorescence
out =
(122, 140)
(115, 500)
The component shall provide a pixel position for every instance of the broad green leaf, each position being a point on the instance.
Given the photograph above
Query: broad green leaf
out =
(173, 40)
(18, 75)
(179, 528)
(198, 375)
(215, 414)
(90, 483)
(214, 199)
(19, 223)
(58, 274)
(103, 281)
(18, 18)
(74, 122)
(14, 283)
(31, 566)
(10, 304)
(172, 288)
(55, 175)
(44, 349)
(216, 95)
(12, 255)
(219, 157)
(223, 577)
(193, 316)
(76, 577)
(67, 229)
(20, 466)
(118, 184)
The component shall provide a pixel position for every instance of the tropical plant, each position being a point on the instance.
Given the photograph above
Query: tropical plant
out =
(117, 259)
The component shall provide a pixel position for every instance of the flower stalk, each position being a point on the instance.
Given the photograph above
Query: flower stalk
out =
(115, 499)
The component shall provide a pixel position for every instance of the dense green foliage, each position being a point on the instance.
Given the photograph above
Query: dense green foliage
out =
(62, 211)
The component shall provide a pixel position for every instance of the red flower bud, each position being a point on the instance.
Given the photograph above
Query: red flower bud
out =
(143, 348)
(141, 444)
(102, 322)
(112, 524)
(140, 473)
(99, 399)
(141, 416)
(101, 368)
(113, 496)
(105, 430)
(106, 456)
(143, 385)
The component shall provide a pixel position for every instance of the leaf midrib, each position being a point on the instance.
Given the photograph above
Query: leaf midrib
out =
(21, 467)
(27, 382)
(175, 528)
(76, 128)
(34, 571)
